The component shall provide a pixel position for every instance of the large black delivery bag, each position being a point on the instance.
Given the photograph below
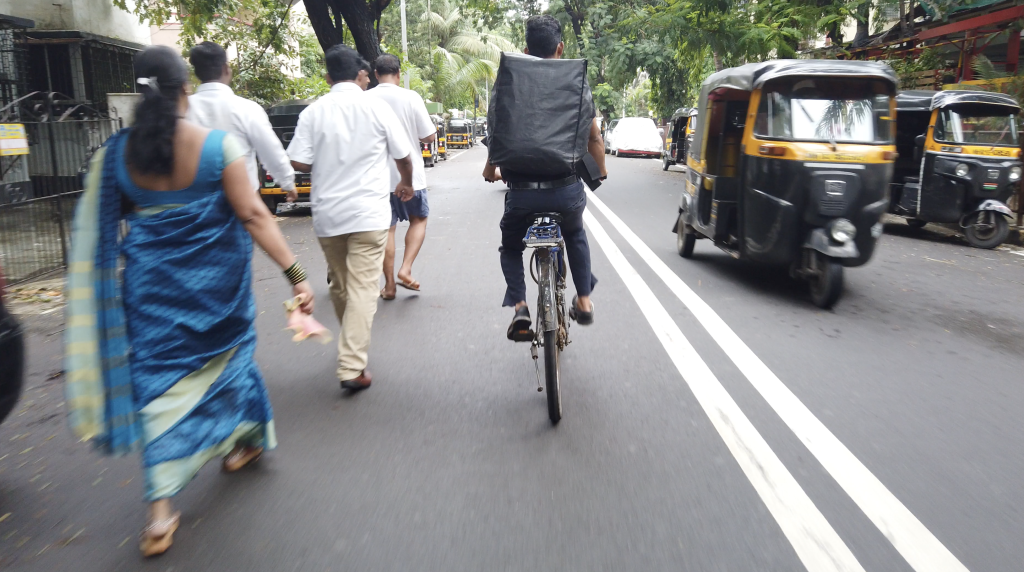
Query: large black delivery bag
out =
(540, 115)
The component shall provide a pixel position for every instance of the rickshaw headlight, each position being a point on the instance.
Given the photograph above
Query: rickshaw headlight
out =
(842, 230)
(1014, 174)
(962, 169)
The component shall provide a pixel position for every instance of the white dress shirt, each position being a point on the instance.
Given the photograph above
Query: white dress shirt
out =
(215, 106)
(412, 114)
(349, 137)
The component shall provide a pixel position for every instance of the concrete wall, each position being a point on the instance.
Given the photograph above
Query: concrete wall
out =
(93, 16)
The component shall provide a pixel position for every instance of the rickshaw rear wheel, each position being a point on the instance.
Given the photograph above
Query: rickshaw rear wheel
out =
(916, 223)
(827, 284)
(988, 235)
(685, 240)
(664, 163)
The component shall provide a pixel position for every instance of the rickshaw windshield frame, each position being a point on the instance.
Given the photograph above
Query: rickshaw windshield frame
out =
(826, 110)
(951, 119)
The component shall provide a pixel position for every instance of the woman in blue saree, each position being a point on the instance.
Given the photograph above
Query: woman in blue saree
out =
(159, 356)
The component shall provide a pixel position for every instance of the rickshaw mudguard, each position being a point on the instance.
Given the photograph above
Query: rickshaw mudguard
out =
(994, 206)
(820, 241)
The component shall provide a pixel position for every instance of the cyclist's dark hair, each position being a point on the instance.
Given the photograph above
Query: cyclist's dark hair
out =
(543, 34)
(344, 63)
(208, 59)
(150, 148)
(387, 65)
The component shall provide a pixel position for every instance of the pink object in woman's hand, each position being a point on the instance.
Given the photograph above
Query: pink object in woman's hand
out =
(304, 325)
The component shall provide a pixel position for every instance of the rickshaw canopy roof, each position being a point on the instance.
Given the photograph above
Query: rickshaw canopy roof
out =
(921, 100)
(682, 112)
(289, 107)
(752, 76)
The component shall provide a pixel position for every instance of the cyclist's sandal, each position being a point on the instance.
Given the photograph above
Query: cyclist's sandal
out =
(582, 318)
(153, 544)
(520, 328)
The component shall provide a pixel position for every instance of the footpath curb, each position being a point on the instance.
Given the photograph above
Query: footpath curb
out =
(1016, 236)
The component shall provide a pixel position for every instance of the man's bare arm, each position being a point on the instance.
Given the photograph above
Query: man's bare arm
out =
(595, 146)
(304, 167)
(428, 139)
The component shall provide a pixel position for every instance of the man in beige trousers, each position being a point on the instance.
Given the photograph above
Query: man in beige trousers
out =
(346, 140)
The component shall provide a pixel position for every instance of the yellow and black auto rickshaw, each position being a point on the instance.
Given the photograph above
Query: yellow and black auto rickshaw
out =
(283, 118)
(959, 161)
(442, 142)
(429, 150)
(460, 133)
(680, 133)
(790, 165)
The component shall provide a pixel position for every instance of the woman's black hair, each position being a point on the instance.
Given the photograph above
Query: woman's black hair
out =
(161, 73)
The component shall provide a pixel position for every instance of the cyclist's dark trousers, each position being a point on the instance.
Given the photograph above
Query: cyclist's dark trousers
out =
(520, 207)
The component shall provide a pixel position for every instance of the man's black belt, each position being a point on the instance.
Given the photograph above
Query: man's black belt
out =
(557, 183)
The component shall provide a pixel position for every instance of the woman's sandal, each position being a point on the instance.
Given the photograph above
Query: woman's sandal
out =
(155, 545)
(240, 457)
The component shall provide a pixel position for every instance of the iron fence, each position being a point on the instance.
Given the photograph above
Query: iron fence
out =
(34, 235)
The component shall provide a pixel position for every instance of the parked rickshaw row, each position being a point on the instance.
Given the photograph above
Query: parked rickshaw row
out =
(794, 162)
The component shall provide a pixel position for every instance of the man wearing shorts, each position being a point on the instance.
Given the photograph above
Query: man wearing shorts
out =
(412, 114)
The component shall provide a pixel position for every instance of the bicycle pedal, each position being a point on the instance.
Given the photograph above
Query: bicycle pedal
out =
(522, 335)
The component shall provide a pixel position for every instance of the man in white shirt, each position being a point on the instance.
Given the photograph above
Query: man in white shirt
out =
(215, 106)
(346, 139)
(412, 114)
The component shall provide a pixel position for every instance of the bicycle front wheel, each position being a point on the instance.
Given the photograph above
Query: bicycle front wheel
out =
(551, 375)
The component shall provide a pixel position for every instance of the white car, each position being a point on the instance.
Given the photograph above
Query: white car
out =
(636, 136)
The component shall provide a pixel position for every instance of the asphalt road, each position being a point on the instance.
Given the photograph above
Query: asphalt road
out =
(714, 420)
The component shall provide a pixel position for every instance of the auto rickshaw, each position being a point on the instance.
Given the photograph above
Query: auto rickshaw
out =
(790, 165)
(283, 118)
(460, 133)
(442, 143)
(680, 133)
(429, 150)
(959, 161)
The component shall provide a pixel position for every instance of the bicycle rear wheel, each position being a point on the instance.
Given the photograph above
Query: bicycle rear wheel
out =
(549, 322)
(551, 375)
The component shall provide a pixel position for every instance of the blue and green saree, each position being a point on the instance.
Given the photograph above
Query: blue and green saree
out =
(159, 355)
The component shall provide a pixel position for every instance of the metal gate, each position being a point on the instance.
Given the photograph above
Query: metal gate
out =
(38, 191)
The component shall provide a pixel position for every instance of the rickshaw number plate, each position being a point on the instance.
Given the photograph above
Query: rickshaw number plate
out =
(993, 174)
(835, 188)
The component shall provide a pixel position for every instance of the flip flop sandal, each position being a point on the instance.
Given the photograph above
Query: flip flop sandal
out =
(385, 296)
(240, 458)
(413, 285)
(155, 545)
(582, 318)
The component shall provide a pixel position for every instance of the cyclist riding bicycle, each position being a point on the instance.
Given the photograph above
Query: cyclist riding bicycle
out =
(530, 193)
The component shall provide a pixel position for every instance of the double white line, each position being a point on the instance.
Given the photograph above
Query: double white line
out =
(816, 543)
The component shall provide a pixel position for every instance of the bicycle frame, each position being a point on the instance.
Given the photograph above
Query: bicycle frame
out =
(545, 237)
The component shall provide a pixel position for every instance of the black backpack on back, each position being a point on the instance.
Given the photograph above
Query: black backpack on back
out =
(540, 115)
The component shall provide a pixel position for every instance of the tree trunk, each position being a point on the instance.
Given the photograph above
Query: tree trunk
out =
(323, 25)
(718, 62)
(863, 21)
(362, 18)
(575, 12)
(903, 19)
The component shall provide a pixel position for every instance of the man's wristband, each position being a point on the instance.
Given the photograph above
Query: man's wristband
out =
(295, 273)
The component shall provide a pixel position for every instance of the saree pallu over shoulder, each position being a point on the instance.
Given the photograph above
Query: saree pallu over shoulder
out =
(189, 314)
(96, 365)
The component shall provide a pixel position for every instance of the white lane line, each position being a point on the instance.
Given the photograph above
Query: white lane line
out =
(816, 543)
(912, 539)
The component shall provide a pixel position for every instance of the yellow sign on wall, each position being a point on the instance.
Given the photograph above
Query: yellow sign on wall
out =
(12, 139)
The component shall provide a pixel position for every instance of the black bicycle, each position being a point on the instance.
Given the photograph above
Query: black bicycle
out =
(547, 268)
